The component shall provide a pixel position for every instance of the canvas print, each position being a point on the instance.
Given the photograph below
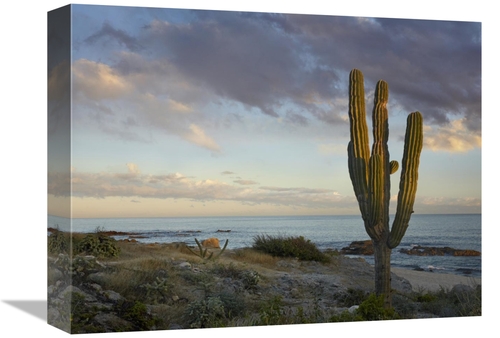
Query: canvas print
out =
(211, 168)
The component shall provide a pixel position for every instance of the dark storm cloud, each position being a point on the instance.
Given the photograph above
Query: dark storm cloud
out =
(432, 66)
(245, 59)
(108, 33)
(265, 60)
(273, 62)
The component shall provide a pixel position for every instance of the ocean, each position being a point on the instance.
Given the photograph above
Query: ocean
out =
(459, 231)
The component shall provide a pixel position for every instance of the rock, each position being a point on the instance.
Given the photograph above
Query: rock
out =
(185, 265)
(400, 284)
(353, 308)
(358, 248)
(74, 290)
(211, 243)
(461, 288)
(113, 296)
(366, 248)
(438, 251)
(112, 323)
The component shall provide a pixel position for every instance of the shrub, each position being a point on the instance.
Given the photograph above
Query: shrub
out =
(351, 297)
(373, 309)
(58, 242)
(137, 314)
(98, 244)
(208, 312)
(272, 312)
(282, 246)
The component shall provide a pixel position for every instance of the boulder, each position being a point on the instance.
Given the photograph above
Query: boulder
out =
(211, 243)
(358, 248)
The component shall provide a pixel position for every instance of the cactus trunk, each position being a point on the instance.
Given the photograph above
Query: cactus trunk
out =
(370, 174)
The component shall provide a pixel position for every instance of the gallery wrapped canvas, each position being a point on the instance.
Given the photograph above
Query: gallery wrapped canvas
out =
(211, 168)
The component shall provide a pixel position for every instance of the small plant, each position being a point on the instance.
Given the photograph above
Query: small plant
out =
(208, 312)
(297, 247)
(249, 278)
(160, 287)
(272, 312)
(204, 253)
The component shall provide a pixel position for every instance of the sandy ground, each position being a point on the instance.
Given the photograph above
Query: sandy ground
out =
(433, 281)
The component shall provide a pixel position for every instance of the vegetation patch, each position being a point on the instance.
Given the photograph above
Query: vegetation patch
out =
(290, 246)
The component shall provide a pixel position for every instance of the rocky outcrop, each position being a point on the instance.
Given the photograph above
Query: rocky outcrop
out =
(73, 294)
(358, 248)
(438, 251)
(366, 248)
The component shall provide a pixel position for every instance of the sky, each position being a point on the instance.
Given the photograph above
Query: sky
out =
(180, 112)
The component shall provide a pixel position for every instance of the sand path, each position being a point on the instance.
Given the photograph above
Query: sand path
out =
(434, 281)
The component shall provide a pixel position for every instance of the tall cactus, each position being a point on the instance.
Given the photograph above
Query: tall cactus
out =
(370, 174)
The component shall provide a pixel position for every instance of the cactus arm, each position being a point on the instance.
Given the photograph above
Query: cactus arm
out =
(409, 177)
(358, 148)
(376, 193)
(379, 182)
(394, 166)
(222, 250)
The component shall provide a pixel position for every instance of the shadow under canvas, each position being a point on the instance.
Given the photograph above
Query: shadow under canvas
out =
(36, 308)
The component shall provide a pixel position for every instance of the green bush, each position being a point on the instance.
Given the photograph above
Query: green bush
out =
(282, 246)
(372, 308)
(97, 244)
(58, 242)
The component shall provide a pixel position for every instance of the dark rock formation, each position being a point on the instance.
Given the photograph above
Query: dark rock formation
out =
(358, 248)
(366, 248)
(438, 251)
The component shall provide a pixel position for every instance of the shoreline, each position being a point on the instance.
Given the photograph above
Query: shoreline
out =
(434, 281)
(419, 280)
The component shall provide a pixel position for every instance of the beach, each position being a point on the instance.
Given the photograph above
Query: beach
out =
(434, 281)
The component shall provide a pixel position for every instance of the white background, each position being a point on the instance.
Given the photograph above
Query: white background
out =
(23, 164)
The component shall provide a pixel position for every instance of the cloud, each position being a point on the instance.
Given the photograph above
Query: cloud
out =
(133, 184)
(447, 205)
(332, 149)
(138, 186)
(122, 102)
(227, 172)
(291, 68)
(109, 34)
(245, 182)
(454, 137)
(198, 136)
(98, 81)
(133, 168)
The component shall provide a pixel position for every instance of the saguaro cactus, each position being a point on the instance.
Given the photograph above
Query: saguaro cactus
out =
(370, 175)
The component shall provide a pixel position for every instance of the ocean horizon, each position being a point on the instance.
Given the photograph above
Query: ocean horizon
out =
(458, 231)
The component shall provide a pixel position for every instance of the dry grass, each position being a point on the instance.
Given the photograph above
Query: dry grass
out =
(252, 256)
